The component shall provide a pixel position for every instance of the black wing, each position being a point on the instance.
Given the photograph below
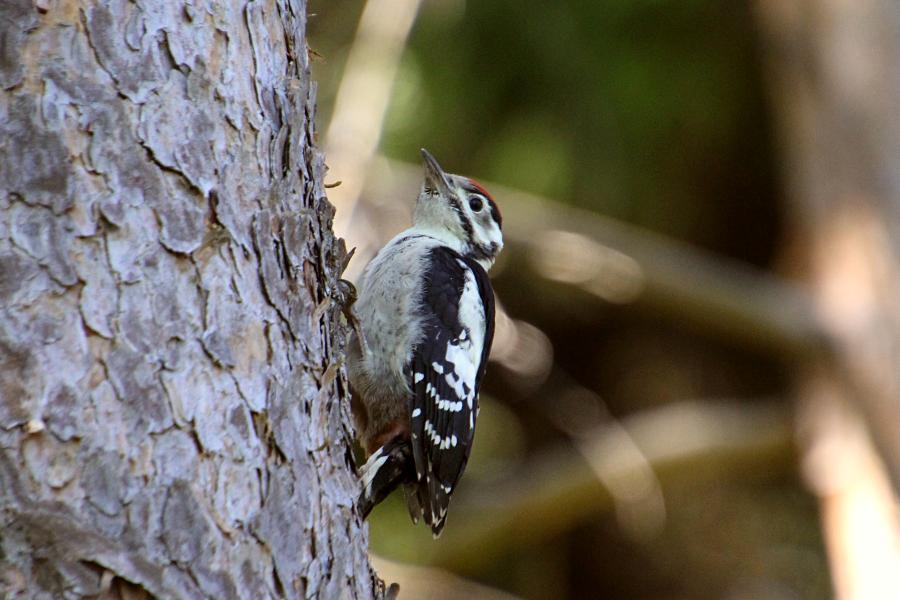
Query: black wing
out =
(447, 367)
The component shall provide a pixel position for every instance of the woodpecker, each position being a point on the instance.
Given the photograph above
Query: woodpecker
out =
(425, 308)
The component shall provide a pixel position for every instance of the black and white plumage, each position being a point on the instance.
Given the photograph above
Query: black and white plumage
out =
(426, 312)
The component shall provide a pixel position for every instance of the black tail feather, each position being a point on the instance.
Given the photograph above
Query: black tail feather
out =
(387, 468)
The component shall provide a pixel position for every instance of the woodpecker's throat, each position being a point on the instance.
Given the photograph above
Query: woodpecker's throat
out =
(463, 209)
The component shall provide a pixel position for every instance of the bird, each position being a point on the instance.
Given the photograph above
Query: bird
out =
(425, 313)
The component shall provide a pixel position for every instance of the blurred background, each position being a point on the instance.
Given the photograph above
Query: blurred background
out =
(694, 389)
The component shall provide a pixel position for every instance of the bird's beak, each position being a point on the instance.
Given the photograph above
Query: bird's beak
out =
(435, 178)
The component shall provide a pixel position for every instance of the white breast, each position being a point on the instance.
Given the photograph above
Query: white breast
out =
(389, 294)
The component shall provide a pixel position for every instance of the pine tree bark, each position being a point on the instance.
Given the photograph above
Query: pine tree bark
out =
(173, 414)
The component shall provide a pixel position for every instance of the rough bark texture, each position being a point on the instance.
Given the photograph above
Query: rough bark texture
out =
(172, 411)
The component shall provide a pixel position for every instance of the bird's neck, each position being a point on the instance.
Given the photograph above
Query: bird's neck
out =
(442, 234)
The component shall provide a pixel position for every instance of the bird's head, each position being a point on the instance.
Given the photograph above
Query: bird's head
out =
(459, 211)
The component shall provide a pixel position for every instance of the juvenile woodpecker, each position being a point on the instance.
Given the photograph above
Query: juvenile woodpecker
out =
(426, 312)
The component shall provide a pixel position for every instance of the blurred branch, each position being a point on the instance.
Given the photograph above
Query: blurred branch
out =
(362, 102)
(835, 89)
(549, 242)
(580, 413)
(560, 489)
(859, 516)
(435, 584)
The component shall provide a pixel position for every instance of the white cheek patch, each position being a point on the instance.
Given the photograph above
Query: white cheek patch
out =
(489, 233)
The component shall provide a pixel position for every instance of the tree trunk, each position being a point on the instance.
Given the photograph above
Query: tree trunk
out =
(836, 88)
(173, 413)
(835, 85)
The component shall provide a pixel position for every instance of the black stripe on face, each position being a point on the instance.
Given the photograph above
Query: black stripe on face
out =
(464, 221)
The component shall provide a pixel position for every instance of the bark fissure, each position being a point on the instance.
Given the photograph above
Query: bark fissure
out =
(173, 416)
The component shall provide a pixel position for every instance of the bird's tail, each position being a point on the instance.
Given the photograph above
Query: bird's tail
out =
(387, 467)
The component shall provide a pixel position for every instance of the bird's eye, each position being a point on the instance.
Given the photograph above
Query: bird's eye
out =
(475, 203)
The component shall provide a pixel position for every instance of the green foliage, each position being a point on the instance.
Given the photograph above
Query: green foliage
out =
(649, 111)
